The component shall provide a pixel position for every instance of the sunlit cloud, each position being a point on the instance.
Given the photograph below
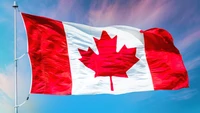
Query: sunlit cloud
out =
(143, 14)
(189, 40)
(6, 93)
(7, 83)
(59, 11)
(5, 107)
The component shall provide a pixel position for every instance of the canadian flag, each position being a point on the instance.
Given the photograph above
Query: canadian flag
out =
(72, 59)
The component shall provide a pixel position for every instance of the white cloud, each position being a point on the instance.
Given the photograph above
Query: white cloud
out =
(7, 82)
(6, 103)
(185, 94)
(6, 93)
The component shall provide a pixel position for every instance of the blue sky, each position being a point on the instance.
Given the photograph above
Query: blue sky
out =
(181, 18)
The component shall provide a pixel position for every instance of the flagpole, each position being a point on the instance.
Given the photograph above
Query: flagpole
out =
(15, 6)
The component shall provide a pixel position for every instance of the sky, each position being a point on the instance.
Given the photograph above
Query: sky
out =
(180, 17)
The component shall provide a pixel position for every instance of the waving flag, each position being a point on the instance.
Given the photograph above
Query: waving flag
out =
(72, 59)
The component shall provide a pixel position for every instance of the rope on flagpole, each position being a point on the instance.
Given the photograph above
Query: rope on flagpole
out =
(21, 56)
(23, 102)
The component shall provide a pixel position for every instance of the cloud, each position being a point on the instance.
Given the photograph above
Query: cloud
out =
(7, 82)
(6, 103)
(192, 64)
(63, 9)
(6, 93)
(185, 94)
(189, 40)
(143, 13)
(190, 16)
(59, 10)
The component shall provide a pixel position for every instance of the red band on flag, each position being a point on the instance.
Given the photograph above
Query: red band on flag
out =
(164, 60)
(48, 51)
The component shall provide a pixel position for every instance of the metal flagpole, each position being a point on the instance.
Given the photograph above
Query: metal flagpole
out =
(15, 6)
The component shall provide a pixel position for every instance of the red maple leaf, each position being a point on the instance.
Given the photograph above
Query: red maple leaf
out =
(109, 62)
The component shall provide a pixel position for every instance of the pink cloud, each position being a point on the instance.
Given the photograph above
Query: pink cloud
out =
(189, 40)
(7, 84)
(144, 13)
(6, 93)
(60, 11)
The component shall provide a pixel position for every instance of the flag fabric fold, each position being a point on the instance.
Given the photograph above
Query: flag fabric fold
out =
(72, 59)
